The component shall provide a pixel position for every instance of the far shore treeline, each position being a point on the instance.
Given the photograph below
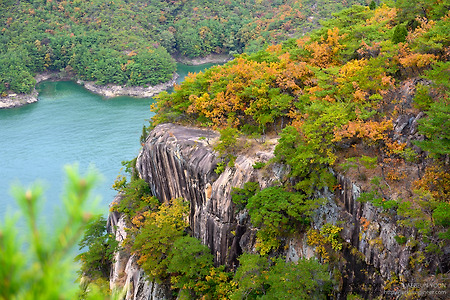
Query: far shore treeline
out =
(132, 42)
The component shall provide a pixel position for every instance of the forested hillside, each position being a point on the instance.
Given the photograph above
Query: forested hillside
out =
(130, 42)
(336, 90)
(367, 96)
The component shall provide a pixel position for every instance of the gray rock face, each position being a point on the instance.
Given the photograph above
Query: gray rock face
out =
(372, 255)
(178, 161)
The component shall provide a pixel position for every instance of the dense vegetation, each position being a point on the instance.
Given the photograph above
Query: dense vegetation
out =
(158, 234)
(335, 99)
(130, 42)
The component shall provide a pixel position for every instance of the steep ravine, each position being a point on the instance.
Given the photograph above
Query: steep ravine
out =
(178, 161)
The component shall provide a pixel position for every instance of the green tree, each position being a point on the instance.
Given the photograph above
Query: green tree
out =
(99, 247)
(251, 276)
(436, 128)
(309, 149)
(305, 279)
(278, 213)
(189, 263)
(400, 34)
(36, 263)
(257, 277)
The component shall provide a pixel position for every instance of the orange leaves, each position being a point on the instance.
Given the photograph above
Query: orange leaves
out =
(293, 75)
(364, 223)
(425, 26)
(393, 147)
(437, 181)
(413, 62)
(275, 49)
(238, 89)
(324, 54)
(360, 95)
(418, 60)
(370, 131)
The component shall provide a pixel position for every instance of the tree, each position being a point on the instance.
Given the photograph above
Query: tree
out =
(400, 34)
(436, 128)
(99, 247)
(155, 236)
(304, 279)
(258, 277)
(38, 264)
(190, 263)
(251, 276)
(278, 214)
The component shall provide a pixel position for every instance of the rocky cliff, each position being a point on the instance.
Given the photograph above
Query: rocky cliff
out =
(178, 161)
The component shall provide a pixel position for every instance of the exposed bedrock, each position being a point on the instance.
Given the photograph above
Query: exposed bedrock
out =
(178, 161)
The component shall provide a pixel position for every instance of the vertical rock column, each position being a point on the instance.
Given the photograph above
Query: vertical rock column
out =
(178, 161)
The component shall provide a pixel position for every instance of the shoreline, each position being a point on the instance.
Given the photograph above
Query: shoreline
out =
(112, 90)
(13, 100)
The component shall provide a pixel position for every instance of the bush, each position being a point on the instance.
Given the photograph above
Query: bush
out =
(240, 196)
(258, 277)
(278, 213)
(99, 247)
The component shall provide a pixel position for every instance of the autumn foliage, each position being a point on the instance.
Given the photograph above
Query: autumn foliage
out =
(335, 99)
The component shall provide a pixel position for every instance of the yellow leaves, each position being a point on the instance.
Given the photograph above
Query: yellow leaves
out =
(371, 131)
(383, 14)
(173, 214)
(204, 32)
(328, 236)
(350, 69)
(138, 220)
(323, 54)
(333, 40)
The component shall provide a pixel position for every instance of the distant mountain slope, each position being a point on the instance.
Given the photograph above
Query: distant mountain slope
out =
(128, 42)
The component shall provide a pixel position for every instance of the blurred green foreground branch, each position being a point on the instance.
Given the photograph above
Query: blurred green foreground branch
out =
(39, 264)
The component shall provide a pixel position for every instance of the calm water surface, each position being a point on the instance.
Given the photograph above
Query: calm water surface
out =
(70, 125)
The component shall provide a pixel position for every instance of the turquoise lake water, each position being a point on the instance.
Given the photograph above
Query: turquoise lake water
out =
(70, 125)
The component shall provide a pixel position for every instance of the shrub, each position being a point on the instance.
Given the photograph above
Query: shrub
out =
(278, 213)
(99, 247)
(258, 277)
